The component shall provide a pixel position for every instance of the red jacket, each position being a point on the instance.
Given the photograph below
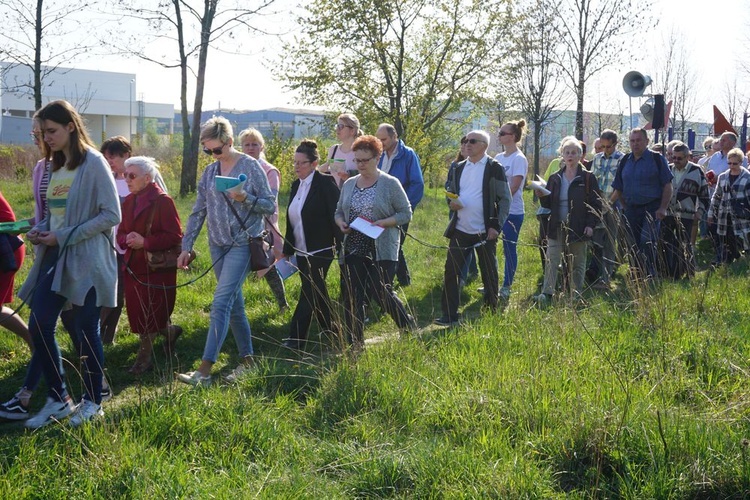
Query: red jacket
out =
(166, 231)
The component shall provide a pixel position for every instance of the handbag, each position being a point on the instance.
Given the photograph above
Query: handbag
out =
(261, 246)
(261, 251)
(162, 260)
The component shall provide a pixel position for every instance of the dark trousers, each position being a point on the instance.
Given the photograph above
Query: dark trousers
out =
(402, 270)
(643, 236)
(460, 246)
(727, 246)
(361, 275)
(313, 297)
(46, 306)
(678, 252)
(110, 316)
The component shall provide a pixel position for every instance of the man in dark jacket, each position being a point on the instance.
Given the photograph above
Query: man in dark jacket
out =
(479, 198)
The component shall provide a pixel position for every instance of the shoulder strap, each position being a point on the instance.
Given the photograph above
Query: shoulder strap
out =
(150, 219)
(335, 148)
(234, 211)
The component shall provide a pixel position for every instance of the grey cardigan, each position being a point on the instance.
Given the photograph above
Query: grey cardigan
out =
(390, 200)
(87, 257)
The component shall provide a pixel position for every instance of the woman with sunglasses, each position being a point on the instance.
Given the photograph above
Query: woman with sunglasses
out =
(233, 217)
(252, 144)
(340, 162)
(369, 265)
(75, 261)
(150, 222)
(516, 167)
(730, 208)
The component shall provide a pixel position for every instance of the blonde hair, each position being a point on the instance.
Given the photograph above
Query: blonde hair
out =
(217, 128)
(252, 134)
(351, 121)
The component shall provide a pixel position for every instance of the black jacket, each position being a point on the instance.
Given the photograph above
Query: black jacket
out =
(320, 228)
(584, 203)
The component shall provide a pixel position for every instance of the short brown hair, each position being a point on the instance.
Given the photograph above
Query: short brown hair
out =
(368, 143)
(117, 145)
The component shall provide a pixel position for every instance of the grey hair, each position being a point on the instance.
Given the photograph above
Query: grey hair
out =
(145, 164)
(484, 135)
(570, 140)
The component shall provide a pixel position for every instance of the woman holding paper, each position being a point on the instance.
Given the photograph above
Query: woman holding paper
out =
(252, 144)
(311, 235)
(233, 216)
(340, 162)
(375, 202)
(574, 202)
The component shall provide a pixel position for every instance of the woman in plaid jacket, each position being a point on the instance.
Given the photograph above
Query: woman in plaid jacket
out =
(730, 208)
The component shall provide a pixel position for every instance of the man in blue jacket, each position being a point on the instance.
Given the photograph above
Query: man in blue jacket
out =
(401, 162)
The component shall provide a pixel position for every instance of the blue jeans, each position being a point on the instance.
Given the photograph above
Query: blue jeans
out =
(511, 228)
(228, 307)
(46, 307)
(643, 234)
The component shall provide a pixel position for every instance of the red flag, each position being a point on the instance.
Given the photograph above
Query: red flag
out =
(721, 124)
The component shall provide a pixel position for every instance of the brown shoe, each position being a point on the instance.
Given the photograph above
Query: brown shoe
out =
(143, 360)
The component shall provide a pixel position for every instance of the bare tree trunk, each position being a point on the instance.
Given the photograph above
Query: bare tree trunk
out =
(537, 145)
(580, 92)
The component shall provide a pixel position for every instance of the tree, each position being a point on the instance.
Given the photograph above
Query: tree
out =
(535, 82)
(193, 25)
(37, 36)
(675, 77)
(735, 102)
(411, 62)
(595, 35)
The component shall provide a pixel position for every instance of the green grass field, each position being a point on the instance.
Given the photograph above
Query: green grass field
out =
(636, 394)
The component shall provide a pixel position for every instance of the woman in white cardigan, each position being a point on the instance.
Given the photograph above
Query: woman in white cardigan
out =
(370, 264)
(75, 263)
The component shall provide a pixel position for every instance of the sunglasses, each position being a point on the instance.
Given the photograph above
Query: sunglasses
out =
(214, 151)
(734, 163)
(471, 141)
(502, 134)
(131, 175)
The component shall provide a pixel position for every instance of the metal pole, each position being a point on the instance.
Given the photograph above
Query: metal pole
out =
(130, 110)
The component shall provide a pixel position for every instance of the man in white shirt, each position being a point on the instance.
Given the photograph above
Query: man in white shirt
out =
(479, 199)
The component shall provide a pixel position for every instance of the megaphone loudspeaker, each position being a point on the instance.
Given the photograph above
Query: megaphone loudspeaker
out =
(634, 83)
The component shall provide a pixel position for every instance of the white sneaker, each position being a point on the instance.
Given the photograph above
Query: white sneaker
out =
(242, 370)
(194, 378)
(86, 412)
(52, 411)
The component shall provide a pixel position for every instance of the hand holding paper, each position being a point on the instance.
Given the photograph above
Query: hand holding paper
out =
(366, 227)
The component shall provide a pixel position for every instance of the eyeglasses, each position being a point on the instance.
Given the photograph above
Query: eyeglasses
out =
(132, 175)
(362, 161)
(502, 134)
(473, 141)
(300, 163)
(339, 126)
(214, 151)
(36, 136)
(734, 163)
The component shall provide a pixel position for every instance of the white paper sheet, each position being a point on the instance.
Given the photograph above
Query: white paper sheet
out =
(365, 227)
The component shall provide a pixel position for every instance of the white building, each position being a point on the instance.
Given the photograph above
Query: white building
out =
(106, 100)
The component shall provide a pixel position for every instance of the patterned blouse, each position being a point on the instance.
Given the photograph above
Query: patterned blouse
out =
(362, 203)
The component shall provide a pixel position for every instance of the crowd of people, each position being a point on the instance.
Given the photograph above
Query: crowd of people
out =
(107, 235)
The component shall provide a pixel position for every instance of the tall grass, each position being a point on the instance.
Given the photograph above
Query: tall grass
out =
(632, 395)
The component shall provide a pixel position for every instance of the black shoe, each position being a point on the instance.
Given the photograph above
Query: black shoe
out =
(294, 344)
(446, 321)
